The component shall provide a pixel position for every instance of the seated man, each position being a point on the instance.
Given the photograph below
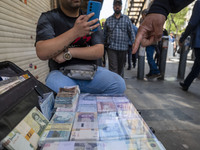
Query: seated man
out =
(65, 37)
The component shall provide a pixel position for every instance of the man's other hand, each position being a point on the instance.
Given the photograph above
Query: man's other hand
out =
(59, 58)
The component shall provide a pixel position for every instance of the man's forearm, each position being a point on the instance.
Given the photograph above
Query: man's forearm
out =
(168, 6)
(88, 53)
(50, 48)
(187, 32)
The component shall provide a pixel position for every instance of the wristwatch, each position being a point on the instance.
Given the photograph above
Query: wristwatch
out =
(67, 55)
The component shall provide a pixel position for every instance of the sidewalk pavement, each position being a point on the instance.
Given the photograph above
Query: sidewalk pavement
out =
(173, 113)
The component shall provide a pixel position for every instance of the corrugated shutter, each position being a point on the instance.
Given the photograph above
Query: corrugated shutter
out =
(17, 34)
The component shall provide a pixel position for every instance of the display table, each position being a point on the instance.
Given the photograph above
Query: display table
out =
(100, 122)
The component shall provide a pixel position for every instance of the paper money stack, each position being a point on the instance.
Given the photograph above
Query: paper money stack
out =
(11, 82)
(85, 127)
(87, 103)
(109, 125)
(59, 127)
(132, 123)
(67, 97)
(133, 144)
(86, 124)
(75, 145)
(27, 133)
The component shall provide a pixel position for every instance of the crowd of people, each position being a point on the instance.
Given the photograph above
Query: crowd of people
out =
(65, 38)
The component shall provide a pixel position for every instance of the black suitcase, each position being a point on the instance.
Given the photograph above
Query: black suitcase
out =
(19, 100)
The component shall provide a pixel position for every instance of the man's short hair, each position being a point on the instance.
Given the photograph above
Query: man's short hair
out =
(133, 20)
(117, 2)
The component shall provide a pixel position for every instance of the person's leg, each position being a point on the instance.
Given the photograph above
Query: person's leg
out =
(195, 69)
(152, 65)
(104, 58)
(134, 60)
(121, 60)
(129, 57)
(104, 82)
(112, 60)
(57, 79)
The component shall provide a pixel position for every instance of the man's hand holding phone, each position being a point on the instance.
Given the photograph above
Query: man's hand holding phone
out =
(83, 26)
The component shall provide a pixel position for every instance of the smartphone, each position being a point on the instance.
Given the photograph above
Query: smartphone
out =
(95, 7)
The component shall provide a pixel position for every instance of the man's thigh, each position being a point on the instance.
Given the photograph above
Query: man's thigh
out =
(113, 60)
(104, 82)
(57, 79)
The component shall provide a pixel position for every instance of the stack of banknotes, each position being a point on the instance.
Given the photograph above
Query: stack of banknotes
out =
(27, 133)
(67, 97)
(59, 127)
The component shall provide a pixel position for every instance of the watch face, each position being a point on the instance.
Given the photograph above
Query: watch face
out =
(67, 56)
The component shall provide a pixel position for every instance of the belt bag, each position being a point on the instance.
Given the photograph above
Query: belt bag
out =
(80, 71)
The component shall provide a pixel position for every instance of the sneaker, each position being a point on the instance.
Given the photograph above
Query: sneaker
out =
(151, 76)
(148, 75)
(184, 87)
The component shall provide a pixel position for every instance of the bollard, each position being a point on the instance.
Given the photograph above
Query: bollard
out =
(183, 59)
(141, 63)
(163, 56)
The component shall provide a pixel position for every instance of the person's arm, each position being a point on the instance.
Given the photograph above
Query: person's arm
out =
(150, 31)
(194, 21)
(105, 31)
(86, 53)
(131, 32)
(51, 48)
(165, 7)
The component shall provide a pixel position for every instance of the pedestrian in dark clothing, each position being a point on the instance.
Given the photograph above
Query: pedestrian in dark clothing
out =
(117, 32)
(151, 29)
(193, 29)
(131, 56)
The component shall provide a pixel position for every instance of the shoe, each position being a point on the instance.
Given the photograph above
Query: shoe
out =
(129, 68)
(151, 76)
(184, 87)
(147, 75)
(133, 66)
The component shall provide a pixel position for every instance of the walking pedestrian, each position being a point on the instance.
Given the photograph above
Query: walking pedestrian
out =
(193, 29)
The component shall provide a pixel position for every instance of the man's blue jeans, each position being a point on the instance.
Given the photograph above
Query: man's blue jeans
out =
(152, 65)
(104, 82)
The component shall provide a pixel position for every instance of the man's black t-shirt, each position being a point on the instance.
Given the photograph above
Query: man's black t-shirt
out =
(53, 23)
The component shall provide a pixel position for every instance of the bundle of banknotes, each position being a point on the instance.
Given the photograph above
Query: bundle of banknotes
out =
(10, 82)
(59, 127)
(67, 97)
(132, 144)
(27, 133)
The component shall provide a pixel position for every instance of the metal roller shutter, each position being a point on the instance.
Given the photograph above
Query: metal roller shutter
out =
(18, 20)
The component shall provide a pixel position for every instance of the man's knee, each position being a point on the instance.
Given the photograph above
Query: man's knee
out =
(120, 85)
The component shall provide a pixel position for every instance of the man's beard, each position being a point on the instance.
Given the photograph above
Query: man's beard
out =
(117, 12)
(71, 6)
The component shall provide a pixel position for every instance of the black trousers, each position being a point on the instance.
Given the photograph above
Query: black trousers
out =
(116, 60)
(195, 68)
